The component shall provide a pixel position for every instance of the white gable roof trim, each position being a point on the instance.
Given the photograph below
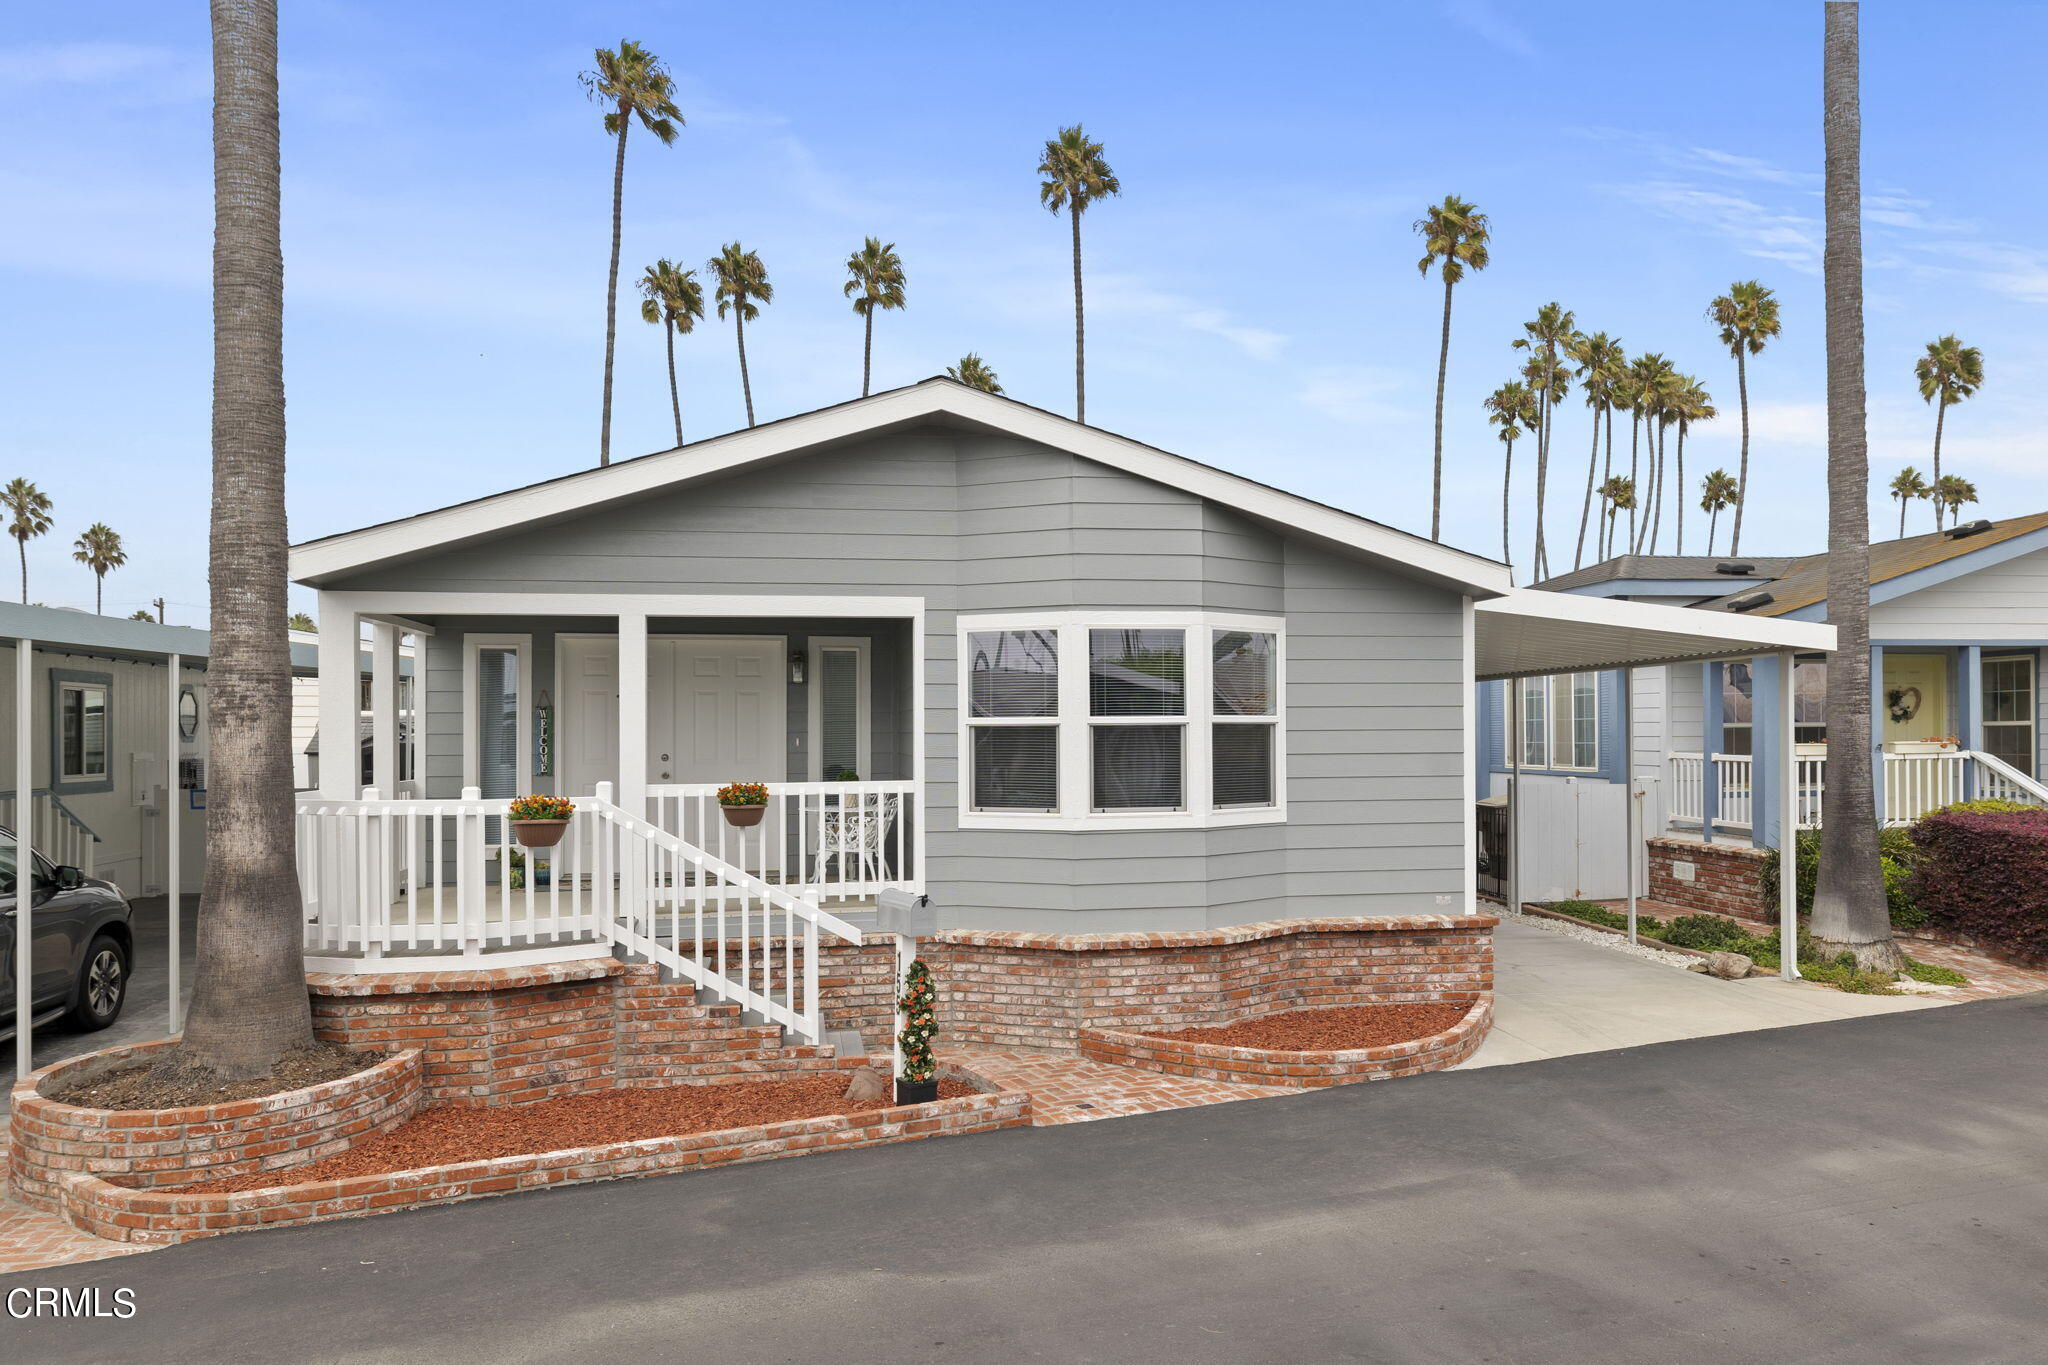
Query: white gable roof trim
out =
(317, 561)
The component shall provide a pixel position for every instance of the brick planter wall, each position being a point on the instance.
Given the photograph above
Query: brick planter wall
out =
(157, 1147)
(1305, 1070)
(1726, 880)
(158, 1217)
(1040, 990)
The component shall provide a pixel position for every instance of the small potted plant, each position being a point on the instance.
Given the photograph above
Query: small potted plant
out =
(539, 821)
(744, 803)
(917, 1082)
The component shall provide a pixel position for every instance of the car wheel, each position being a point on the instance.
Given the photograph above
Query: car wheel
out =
(102, 985)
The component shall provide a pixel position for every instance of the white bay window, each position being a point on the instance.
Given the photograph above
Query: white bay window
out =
(1094, 720)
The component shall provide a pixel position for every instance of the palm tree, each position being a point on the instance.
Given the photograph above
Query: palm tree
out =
(1951, 492)
(1691, 403)
(1510, 408)
(636, 85)
(1907, 485)
(876, 281)
(1075, 177)
(974, 372)
(142, 616)
(1628, 395)
(1748, 318)
(672, 299)
(1454, 237)
(1650, 386)
(29, 507)
(1951, 372)
(249, 1003)
(99, 549)
(1551, 330)
(1849, 909)
(298, 621)
(1618, 492)
(1718, 491)
(742, 285)
(1599, 358)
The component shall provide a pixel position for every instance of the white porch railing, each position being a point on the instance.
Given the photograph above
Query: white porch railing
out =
(1914, 784)
(841, 840)
(53, 830)
(426, 885)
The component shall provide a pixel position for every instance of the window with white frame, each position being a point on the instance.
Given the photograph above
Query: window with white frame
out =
(81, 730)
(1084, 720)
(2009, 710)
(1561, 722)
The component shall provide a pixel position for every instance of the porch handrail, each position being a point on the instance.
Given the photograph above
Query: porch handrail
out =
(2009, 775)
(56, 803)
(1910, 785)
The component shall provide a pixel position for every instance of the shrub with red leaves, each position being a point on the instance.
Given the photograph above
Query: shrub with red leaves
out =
(1986, 875)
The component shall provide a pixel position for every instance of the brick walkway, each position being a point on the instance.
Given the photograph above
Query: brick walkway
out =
(34, 1241)
(1066, 1088)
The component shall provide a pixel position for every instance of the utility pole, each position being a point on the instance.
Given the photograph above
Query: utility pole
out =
(158, 603)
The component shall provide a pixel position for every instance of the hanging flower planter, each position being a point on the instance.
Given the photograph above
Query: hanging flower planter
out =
(539, 821)
(917, 1081)
(744, 803)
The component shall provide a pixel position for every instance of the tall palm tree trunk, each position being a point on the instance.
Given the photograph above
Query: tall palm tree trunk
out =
(1635, 483)
(611, 288)
(1607, 472)
(1849, 910)
(675, 395)
(1742, 471)
(1540, 556)
(1679, 548)
(249, 1004)
(867, 352)
(1080, 321)
(1586, 507)
(1940, 416)
(1713, 530)
(1902, 518)
(21, 544)
(746, 385)
(99, 594)
(1436, 486)
(1507, 483)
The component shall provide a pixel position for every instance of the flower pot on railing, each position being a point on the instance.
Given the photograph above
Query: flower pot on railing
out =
(539, 821)
(744, 803)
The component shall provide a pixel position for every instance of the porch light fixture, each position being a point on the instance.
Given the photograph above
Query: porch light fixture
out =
(796, 666)
(1750, 601)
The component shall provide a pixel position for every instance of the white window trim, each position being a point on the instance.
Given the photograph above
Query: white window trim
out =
(472, 762)
(1076, 726)
(1546, 735)
(64, 688)
(2032, 723)
(864, 761)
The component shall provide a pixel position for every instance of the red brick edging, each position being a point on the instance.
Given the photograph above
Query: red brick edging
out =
(52, 1142)
(1006, 989)
(1303, 1070)
(164, 1216)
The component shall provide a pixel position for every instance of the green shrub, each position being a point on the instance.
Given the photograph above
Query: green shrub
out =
(1841, 973)
(1988, 806)
(1606, 918)
(1896, 853)
(1935, 976)
(1708, 933)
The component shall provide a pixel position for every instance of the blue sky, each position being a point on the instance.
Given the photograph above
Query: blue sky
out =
(1253, 297)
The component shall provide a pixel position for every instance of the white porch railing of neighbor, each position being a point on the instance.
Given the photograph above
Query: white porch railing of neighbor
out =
(427, 885)
(842, 840)
(1914, 784)
(54, 831)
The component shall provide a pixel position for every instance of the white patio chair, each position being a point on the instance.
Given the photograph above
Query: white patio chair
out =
(855, 834)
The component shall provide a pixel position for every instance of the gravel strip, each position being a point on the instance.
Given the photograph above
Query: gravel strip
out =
(1612, 942)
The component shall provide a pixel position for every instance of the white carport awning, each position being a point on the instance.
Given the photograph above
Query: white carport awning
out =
(1528, 634)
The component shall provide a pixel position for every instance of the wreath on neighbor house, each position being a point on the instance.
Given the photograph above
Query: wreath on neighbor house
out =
(1902, 703)
(919, 1004)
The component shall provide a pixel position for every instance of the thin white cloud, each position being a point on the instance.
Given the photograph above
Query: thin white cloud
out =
(1125, 295)
(1757, 229)
(1483, 19)
(1358, 395)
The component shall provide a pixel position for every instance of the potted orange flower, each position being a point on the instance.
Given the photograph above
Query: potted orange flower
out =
(744, 803)
(539, 821)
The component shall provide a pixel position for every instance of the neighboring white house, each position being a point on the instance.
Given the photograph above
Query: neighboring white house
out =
(306, 711)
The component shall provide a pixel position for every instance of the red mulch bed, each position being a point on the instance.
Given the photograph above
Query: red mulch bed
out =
(447, 1133)
(1327, 1030)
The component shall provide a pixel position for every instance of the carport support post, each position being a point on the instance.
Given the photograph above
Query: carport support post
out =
(24, 888)
(174, 887)
(1631, 816)
(1514, 881)
(1788, 822)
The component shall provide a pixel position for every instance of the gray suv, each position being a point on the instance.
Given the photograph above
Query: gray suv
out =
(82, 947)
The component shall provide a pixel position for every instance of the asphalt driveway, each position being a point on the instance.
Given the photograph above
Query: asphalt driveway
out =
(1873, 1189)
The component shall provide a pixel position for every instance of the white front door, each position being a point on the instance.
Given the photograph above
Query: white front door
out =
(717, 709)
(587, 726)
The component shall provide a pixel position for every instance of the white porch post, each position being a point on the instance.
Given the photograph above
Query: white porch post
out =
(1788, 823)
(633, 713)
(383, 708)
(1631, 813)
(1514, 881)
(24, 816)
(174, 797)
(340, 701)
